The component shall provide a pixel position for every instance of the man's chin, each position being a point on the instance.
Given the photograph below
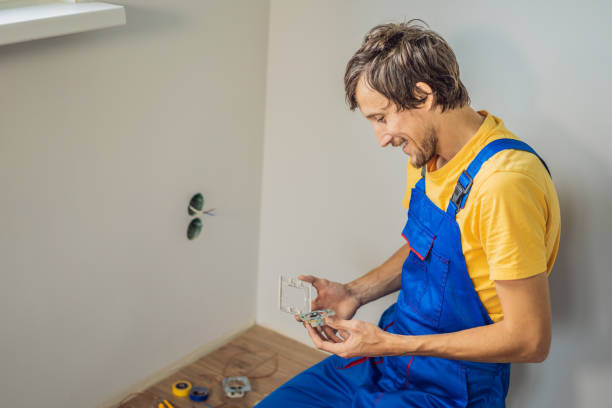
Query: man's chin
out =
(418, 163)
(415, 162)
(411, 157)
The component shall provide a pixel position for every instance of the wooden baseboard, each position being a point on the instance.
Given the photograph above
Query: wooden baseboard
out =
(305, 341)
(177, 365)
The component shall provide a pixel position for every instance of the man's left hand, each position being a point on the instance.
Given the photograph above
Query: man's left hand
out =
(359, 339)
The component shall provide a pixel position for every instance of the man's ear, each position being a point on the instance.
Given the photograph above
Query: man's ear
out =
(423, 90)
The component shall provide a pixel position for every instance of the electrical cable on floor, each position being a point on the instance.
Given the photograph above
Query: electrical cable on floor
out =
(218, 379)
(124, 403)
(256, 366)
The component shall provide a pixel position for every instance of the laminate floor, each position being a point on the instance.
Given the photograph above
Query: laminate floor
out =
(266, 357)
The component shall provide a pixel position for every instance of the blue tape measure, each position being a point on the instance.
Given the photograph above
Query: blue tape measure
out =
(198, 394)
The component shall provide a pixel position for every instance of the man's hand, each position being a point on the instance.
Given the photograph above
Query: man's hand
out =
(522, 336)
(332, 295)
(361, 339)
(346, 299)
(335, 296)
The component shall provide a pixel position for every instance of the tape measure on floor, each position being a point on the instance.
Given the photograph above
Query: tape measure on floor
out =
(181, 388)
(198, 394)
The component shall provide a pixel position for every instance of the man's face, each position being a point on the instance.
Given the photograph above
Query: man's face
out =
(410, 129)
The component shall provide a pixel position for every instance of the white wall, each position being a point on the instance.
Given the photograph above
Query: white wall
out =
(331, 198)
(104, 137)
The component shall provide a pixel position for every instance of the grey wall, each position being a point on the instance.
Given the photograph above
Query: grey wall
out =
(104, 137)
(331, 197)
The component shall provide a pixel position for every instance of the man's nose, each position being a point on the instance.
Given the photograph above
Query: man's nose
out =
(384, 139)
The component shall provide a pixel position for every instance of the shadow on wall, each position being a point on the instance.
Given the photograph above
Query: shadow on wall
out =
(579, 298)
(496, 73)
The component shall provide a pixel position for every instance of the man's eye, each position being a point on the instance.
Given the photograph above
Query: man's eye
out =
(381, 119)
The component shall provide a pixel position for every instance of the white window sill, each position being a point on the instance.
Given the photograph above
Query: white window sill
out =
(55, 18)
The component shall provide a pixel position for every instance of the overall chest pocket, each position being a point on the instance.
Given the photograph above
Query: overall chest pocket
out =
(424, 274)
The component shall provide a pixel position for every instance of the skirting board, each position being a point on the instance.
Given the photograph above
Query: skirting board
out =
(305, 341)
(177, 365)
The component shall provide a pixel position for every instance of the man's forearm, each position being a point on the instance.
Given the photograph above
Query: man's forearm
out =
(382, 280)
(493, 343)
(523, 335)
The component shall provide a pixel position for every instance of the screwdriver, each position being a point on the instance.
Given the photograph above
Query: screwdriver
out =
(165, 404)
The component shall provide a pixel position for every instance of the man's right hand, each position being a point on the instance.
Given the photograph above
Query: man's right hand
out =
(346, 299)
(335, 296)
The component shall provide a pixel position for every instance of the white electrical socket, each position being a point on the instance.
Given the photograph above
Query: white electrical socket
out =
(295, 296)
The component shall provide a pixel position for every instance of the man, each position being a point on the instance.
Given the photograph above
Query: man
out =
(482, 235)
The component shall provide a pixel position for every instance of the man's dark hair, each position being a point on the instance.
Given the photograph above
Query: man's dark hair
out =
(394, 57)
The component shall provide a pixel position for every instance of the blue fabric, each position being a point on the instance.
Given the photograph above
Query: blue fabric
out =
(436, 296)
(485, 154)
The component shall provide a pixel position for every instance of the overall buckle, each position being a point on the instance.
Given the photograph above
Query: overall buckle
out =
(460, 191)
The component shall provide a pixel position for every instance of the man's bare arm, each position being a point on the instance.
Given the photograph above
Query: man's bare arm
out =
(345, 299)
(380, 281)
(523, 335)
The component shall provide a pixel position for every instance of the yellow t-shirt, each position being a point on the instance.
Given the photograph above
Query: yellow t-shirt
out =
(511, 223)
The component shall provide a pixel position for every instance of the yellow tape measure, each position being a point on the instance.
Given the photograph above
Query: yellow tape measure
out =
(181, 388)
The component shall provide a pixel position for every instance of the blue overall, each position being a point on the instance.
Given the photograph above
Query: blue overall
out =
(436, 296)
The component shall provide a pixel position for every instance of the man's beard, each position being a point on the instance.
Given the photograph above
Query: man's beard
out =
(428, 150)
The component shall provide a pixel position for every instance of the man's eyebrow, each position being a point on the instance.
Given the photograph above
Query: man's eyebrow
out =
(384, 108)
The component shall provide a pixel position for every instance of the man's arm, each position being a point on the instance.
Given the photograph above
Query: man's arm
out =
(345, 299)
(381, 281)
(523, 335)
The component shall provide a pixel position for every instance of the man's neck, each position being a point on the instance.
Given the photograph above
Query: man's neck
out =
(455, 128)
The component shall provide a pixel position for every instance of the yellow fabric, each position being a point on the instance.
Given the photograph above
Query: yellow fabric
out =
(510, 226)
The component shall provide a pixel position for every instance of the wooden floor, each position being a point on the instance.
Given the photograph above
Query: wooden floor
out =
(255, 353)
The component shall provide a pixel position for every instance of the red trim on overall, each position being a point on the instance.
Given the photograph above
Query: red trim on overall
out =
(389, 325)
(412, 249)
(354, 363)
(377, 399)
(408, 371)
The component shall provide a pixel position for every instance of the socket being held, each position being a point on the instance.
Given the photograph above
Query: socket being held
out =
(295, 297)
(316, 317)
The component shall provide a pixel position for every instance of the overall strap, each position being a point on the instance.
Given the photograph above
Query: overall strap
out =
(421, 183)
(464, 184)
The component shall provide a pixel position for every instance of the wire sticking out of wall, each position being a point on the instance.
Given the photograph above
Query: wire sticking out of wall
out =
(196, 207)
